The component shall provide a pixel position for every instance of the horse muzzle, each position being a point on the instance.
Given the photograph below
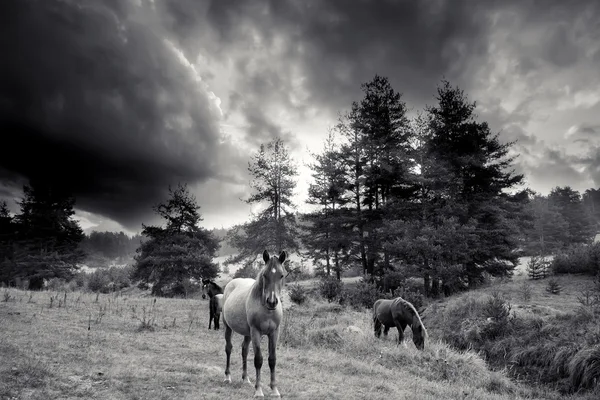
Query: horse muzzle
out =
(271, 304)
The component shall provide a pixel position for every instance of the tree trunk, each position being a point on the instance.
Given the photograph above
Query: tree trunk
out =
(435, 286)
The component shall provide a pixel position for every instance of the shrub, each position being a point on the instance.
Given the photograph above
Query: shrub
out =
(330, 288)
(106, 280)
(249, 270)
(98, 281)
(362, 295)
(297, 294)
(562, 350)
(525, 291)
(580, 259)
(553, 287)
(412, 295)
(537, 268)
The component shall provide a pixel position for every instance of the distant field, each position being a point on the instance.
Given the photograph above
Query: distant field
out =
(48, 353)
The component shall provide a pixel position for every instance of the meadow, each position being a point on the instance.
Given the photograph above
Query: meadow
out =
(127, 345)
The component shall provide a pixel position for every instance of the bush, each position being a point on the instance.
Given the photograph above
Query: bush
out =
(561, 350)
(362, 295)
(537, 268)
(250, 270)
(330, 288)
(553, 287)
(413, 296)
(580, 259)
(297, 294)
(98, 281)
(106, 280)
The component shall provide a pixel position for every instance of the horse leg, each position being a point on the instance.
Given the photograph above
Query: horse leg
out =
(401, 326)
(377, 326)
(273, 360)
(228, 346)
(210, 318)
(217, 319)
(258, 360)
(245, 347)
(385, 331)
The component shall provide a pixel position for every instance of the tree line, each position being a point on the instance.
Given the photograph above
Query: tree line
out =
(434, 197)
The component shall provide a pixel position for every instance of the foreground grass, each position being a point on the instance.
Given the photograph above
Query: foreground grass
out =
(133, 347)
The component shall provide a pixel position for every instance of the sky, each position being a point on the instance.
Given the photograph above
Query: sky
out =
(122, 98)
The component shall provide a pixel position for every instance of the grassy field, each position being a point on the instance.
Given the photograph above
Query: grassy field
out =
(133, 347)
(544, 338)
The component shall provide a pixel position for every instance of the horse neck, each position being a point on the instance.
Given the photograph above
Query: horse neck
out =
(257, 287)
(215, 289)
(416, 322)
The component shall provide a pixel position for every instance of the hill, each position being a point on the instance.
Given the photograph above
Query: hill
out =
(541, 336)
(131, 346)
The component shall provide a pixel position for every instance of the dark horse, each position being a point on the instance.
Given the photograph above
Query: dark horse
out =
(252, 308)
(399, 313)
(215, 304)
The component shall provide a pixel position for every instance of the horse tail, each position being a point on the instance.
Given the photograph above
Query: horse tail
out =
(219, 305)
(376, 322)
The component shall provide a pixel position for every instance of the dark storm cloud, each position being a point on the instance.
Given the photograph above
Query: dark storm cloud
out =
(92, 95)
(337, 45)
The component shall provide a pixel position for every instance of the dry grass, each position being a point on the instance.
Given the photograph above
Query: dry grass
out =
(133, 347)
(546, 338)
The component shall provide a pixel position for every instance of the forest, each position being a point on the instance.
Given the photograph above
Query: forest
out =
(434, 197)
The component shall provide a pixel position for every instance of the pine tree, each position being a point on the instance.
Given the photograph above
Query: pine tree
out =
(7, 239)
(328, 229)
(48, 237)
(580, 228)
(178, 251)
(548, 230)
(481, 175)
(274, 227)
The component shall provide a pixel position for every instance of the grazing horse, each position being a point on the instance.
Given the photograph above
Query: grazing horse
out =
(215, 304)
(399, 313)
(252, 308)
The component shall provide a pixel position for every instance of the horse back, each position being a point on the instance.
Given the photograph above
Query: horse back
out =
(403, 311)
(382, 311)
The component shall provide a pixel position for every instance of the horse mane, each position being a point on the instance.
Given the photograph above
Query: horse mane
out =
(219, 288)
(416, 315)
(260, 276)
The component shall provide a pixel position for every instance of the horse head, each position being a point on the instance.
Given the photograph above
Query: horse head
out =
(205, 283)
(272, 279)
(419, 333)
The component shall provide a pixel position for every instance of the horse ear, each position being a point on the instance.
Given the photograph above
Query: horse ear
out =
(282, 256)
(266, 256)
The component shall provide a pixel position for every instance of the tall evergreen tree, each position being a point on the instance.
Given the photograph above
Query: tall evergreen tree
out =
(7, 240)
(580, 228)
(376, 152)
(274, 227)
(177, 251)
(591, 202)
(48, 236)
(548, 231)
(481, 180)
(326, 230)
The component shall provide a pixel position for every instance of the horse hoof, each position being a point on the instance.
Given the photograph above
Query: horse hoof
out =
(259, 393)
(275, 393)
(247, 380)
(227, 379)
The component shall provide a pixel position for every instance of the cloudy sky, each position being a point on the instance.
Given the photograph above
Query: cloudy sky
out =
(122, 98)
